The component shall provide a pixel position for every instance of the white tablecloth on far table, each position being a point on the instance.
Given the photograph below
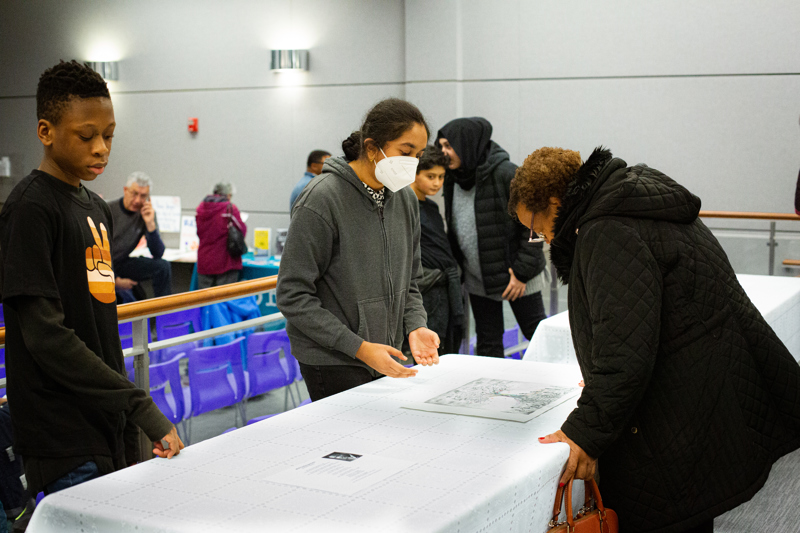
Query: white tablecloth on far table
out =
(776, 297)
(468, 474)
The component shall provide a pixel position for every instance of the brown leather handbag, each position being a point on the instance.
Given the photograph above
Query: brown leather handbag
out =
(592, 517)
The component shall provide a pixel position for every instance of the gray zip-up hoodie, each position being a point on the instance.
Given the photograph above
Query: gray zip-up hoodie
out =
(349, 270)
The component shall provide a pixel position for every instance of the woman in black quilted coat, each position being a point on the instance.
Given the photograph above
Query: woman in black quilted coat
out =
(690, 396)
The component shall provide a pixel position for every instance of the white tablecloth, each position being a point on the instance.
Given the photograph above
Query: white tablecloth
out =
(776, 297)
(468, 474)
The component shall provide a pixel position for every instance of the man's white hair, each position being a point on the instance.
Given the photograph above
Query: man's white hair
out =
(140, 178)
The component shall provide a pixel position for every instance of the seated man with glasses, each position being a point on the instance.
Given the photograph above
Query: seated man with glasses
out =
(135, 217)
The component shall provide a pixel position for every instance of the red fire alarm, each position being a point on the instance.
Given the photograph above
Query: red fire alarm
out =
(193, 125)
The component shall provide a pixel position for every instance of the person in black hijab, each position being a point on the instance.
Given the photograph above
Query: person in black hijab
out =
(490, 247)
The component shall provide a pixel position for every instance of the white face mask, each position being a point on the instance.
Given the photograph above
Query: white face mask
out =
(397, 171)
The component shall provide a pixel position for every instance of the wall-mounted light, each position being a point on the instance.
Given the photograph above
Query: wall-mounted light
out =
(109, 70)
(289, 60)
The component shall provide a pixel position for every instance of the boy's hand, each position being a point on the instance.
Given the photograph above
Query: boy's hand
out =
(424, 345)
(379, 357)
(125, 284)
(173, 441)
(515, 288)
(149, 216)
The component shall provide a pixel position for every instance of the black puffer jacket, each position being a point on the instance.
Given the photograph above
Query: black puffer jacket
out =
(690, 396)
(502, 242)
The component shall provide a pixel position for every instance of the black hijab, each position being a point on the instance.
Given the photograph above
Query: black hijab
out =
(470, 138)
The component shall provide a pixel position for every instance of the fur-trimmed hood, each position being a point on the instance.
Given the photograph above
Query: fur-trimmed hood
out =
(606, 186)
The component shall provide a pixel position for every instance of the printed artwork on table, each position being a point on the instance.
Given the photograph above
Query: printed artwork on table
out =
(518, 401)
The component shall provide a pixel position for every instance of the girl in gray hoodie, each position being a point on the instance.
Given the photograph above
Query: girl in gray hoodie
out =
(348, 278)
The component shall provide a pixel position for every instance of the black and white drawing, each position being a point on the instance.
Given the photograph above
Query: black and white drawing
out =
(518, 401)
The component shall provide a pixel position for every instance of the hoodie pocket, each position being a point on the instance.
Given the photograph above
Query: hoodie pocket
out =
(373, 320)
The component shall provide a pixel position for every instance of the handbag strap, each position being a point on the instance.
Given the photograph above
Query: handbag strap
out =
(563, 494)
(231, 219)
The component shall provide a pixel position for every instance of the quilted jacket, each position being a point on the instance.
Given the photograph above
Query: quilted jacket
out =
(502, 241)
(690, 396)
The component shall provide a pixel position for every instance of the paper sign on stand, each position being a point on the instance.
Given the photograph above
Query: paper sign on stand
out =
(280, 240)
(261, 242)
(189, 239)
(168, 211)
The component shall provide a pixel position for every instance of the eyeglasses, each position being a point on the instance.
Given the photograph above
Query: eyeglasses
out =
(539, 236)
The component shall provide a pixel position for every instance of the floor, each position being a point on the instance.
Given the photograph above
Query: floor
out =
(211, 424)
(776, 507)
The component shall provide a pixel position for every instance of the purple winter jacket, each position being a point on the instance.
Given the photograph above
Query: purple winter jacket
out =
(212, 229)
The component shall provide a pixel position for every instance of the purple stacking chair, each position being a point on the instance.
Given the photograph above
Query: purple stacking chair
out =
(130, 369)
(166, 354)
(126, 334)
(512, 337)
(2, 317)
(290, 364)
(179, 318)
(268, 341)
(174, 403)
(216, 379)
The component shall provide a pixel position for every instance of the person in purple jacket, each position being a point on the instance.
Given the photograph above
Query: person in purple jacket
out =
(215, 266)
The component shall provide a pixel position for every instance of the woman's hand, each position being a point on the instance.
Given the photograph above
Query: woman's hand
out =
(379, 357)
(515, 288)
(424, 345)
(579, 464)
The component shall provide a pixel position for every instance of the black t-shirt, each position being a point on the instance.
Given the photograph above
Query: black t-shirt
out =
(433, 242)
(55, 243)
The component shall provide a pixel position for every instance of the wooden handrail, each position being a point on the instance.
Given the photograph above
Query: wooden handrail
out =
(186, 299)
(752, 216)
(195, 298)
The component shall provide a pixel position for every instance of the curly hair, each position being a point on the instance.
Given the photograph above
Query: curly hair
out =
(59, 84)
(545, 174)
(432, 157)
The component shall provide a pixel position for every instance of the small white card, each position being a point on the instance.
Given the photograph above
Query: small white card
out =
(340, 472)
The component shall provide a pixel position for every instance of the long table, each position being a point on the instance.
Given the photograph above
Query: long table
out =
(776, 297)
(464, 474)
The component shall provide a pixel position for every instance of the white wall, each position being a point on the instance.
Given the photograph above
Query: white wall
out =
(207, 59)
(705, 91)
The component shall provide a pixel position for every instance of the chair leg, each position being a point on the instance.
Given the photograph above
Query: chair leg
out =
(189, 433)
(244, 412)
(286, 399)
(296, 386)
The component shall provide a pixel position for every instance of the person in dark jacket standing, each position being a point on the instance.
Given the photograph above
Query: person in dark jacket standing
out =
(690, 396)
(489, 245)
(441, 279)
(349, 272)
(215, 265)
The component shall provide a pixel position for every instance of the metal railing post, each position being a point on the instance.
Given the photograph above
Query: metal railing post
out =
(772, 244)
(141, 366)
(553, 290)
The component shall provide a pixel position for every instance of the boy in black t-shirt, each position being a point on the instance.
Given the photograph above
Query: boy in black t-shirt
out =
(441, 281)
(75, 412)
